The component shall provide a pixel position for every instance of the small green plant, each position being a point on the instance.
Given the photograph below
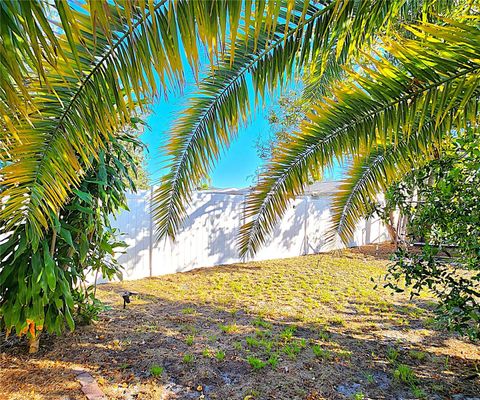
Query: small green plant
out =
(259, 322)
(358, 396)
(417, 355)
(405, 374)
(237, 346)
(212, 338)
(345, 354)
(156, 370)
(189, 340)
(392, 354)
(256, 363)
(288, 332)
(207, 352)
(321, 353)
(230, 328)
(292, 349)
(252, 342)
(370, 378)
(324, 335)
(417, 392)
(273, 361)
(188, 310)
(262, 334)
(220, 355)
(188, 358)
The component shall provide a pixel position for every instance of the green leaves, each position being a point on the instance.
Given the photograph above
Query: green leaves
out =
(49, 267)
(432, 86)
(61, 105)
(306, 32)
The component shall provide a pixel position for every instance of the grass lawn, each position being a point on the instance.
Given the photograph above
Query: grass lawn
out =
(308, 328)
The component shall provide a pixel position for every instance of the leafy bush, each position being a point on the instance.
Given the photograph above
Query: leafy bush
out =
(42, 279)
(446, 216)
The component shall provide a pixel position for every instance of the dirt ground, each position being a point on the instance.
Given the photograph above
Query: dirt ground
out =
(309, 328)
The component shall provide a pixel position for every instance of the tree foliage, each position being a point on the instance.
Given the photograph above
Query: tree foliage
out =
(42, 284)
(399, 105)
(446, 217)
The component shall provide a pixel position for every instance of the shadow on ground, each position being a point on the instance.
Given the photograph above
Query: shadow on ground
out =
(229, 345)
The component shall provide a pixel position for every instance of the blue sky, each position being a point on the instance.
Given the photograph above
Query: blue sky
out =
(237, 167)
(239, 163)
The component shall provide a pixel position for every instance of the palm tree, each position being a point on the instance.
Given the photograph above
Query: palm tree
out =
(392, 114)
(401, 91)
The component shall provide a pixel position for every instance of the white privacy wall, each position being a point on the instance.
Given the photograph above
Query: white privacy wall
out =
(209, 234)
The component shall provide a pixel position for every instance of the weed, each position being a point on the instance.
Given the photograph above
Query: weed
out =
(259, 322)
(188, 358)
(256, 363)
(188, 310)
(230, 328)
(212, 338)
(238, 346)
(207, 352)
(287, 333)
(220, 355)
(156, 370)
(324, 335)
(292, 349)
(392, 354)
(189, 340)
(263, 334)
(345, 354)
(358, 396)
(370, 378)
(321, 353)
(418, 393)
(252, 342)
(417, 355)
(405, 374)
(273, 361)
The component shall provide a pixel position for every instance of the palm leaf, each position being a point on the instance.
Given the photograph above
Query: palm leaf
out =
(435, 76)
(209, 123)
(59, 113)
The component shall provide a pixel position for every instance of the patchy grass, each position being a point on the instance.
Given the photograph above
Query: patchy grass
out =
(311, 327)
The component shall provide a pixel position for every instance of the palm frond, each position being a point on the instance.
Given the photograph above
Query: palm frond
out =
(435, 76)
(57, 114)
(372, 172)
(208, 125)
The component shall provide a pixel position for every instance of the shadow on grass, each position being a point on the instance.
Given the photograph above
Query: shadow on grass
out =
(222, 352)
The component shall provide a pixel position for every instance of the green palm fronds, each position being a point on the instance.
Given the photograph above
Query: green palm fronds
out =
(434, 82)
(208, 125)
(73, 75)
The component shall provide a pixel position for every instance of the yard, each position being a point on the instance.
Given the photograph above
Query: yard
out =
(310, 328)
